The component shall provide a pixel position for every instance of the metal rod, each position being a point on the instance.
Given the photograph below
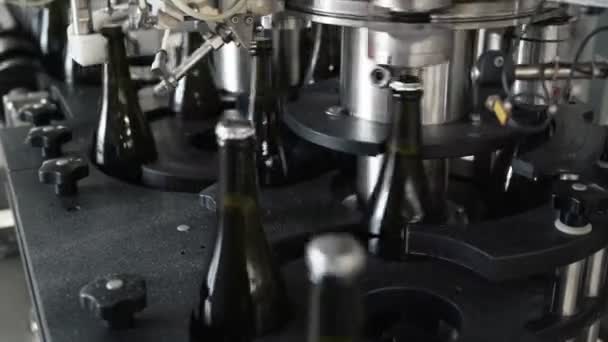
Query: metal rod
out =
(560, 71)
(569, 290)
(594, 281)
(170, 81)
(81, 17)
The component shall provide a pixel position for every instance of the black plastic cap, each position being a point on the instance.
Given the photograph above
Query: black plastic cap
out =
(115, 299)
(64, 173)
(49, 139)
(40, 114)
(577, 200)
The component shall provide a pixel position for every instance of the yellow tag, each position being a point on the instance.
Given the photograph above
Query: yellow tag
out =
(501, 113)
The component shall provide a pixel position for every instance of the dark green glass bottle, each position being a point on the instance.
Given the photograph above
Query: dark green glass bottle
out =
(335, 263)
(264, 109)
(196, 97)
(123, 141)
(53, 37)
(244, 295)
(401, 195)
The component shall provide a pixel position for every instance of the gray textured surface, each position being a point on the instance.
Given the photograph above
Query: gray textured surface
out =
(124, 228)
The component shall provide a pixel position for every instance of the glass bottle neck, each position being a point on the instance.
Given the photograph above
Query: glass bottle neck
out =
(238, 177)
(406, 139)
(117, 65)
(262, 79)
(336, 313)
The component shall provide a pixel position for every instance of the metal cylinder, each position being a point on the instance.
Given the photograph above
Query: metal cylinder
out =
(569, 289)
(357, 93)
(287, 38)
(414, 48)
(594, 282)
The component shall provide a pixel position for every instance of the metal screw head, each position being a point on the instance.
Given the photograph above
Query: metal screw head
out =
(579, 187)
(499, 62)
(183, 228)
(114, 284)
(234, 20)
(249, 20)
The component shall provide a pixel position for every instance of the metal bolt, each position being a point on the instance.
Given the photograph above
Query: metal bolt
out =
(114, 284)
(579, 187)
(499, 62)
(183, 228)
(249, 20)
(235, 20)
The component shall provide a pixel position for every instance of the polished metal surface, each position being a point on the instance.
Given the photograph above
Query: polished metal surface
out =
(287, 36)
(231, 68)
(412, 6)
(82, 22)
(357, 93)
(594, 282)
(570, 283)
(462, 15)
(413, 48)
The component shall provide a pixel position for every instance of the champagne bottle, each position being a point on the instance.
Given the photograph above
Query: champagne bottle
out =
(53, 37)
(401, 195)
(123, 141)
(264, 106)
(196, 97)
(244, 295)
(335, 262)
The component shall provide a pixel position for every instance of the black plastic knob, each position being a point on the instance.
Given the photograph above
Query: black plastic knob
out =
(40, 114)
(64, 173)
(115, 299)
(49, 139)
(576, 201)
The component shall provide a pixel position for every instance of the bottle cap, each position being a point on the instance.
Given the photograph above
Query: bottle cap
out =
(334, 255)
(232, 126)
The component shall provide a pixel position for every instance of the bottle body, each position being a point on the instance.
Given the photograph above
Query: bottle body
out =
(123, 141)
(243, 284)
(401, 196)
(263, 112)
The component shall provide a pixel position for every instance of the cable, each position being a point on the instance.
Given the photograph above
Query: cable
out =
(577, 57)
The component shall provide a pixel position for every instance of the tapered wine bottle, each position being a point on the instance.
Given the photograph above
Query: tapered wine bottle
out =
(401, 195)
(263, 112)
(244, 295)
(53, 37)
(196, 97)
(123, 141)
(335, 263)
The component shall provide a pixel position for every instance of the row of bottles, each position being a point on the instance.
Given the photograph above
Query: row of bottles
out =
(243, 295)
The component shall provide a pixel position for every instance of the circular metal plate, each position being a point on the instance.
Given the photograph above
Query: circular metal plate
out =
(463, 15)
(307, 117)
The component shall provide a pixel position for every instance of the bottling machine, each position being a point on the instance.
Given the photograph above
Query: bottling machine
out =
(460, 142)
